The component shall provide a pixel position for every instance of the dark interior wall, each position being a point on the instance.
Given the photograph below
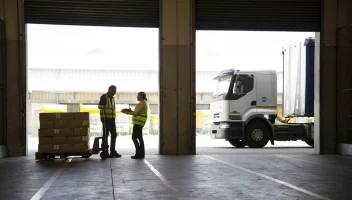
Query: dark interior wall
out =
(14, 91)
(344, 72)
(2, 85)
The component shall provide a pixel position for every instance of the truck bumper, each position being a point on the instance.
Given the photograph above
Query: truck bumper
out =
(218, 132)
(227, 131)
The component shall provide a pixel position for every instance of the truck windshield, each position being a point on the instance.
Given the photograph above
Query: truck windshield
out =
(222, 85)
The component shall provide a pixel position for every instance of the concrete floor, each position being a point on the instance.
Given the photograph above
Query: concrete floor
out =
(152, 141)
(269, 173)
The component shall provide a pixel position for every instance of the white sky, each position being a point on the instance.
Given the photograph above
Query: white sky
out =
(67, 47)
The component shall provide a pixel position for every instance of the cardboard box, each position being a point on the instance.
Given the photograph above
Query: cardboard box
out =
(59, 140)
(68, 116)
(77, 123)
(82, 116)
(56, 148)
(45, 140)
(81, 147)
(61, 124)
(64, 132)
(56, 116)
(77, 139)
(45, 148)
(55, 124)
(81, 132)
(63, 148)
(55, 132)
(47, 124)
(46, 132)
(69, 148)
(48, 116)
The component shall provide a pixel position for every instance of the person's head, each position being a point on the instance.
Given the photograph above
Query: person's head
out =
(142, 96)
(112, 90)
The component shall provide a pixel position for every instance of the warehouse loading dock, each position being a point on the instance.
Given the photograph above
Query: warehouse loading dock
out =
(244, 176)
(51, 84)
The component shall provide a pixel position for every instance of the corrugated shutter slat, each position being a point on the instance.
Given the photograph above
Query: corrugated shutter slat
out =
(124, 13)
(263, 15)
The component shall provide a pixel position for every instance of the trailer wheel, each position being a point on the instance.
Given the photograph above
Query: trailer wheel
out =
(237, 143)
(257, 134)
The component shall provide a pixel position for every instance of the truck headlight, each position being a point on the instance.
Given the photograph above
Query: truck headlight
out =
(224, 125)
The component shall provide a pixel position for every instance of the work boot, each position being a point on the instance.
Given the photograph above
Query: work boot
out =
(137, 157)
(138, 154)
(141, 153)
(114, 154)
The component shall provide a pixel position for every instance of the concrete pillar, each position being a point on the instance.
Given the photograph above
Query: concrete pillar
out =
(177, 78)
(344, 70)
(325, 139)
(2, 89)
(11, 12)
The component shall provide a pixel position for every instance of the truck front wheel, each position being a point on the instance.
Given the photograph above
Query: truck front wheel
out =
(237, 143)
(257, 134)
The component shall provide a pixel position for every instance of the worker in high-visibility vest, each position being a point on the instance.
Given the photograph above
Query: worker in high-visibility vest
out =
(107, 117)
(139, 118)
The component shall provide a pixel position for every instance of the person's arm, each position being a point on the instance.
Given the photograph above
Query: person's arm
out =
(138, 110)
(102, 101)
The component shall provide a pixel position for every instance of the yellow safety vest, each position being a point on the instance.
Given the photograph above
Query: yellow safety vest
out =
(110, 111)
(142, 118)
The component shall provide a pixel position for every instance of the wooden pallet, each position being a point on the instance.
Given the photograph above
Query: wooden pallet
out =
(45, 156)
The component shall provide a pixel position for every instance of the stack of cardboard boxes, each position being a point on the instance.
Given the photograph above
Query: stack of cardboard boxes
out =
(64, 132)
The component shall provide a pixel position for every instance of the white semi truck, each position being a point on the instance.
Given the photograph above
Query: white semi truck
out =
(244, 111)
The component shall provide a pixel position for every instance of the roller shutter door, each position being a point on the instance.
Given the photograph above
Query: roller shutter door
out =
(261, 15)
(123, 13)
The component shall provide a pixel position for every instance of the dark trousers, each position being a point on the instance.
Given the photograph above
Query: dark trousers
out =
(138, 141)
(110, 126)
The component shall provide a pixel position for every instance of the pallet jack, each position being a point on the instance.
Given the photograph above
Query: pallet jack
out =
(104, 145)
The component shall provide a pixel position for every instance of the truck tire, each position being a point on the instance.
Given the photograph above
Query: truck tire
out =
(237, 143)
(310, 142)
(257, 134)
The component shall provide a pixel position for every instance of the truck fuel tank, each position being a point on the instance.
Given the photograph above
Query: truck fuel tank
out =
(286, 132)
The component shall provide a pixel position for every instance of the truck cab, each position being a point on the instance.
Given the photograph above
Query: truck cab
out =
(244, 109)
